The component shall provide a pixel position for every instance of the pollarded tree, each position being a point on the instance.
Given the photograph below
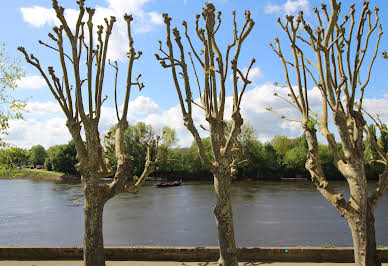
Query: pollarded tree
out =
(86, 114)
(214, 68)
(340, 45)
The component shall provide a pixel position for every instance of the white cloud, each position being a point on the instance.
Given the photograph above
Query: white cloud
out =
(144, 21)
(37, 16)
(267, 125)
(289, 7)
(42, 108)
(254, 104)
(122, 5)
(32, 131)
(26, 133)
(377, 107)
(31, 82)
(156, 18)
(269, 9)
(173, 119)
(143, 105)
(254, 74)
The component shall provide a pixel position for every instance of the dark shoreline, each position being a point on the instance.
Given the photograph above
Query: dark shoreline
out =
(280, 254)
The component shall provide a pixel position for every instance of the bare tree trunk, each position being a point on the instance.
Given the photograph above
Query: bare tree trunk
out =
(360, 216)
(224, 218)
(364, 240)
(372, 258)
(93, 237)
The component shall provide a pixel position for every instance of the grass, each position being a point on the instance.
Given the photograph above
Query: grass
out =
(30, 173)
(332, 246)
(327, 246)
(321, 246)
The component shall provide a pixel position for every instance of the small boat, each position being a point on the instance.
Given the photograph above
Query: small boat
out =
(169, 184)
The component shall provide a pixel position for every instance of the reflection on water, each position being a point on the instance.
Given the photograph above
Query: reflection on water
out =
(265, 214)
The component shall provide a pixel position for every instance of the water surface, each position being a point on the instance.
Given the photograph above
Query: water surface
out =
(265, 214)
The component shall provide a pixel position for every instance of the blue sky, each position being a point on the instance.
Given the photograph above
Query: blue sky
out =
(24, 22)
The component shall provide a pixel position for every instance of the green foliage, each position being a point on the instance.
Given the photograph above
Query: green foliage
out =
(48, 164)
(327, 161)
(135, 145)
(327, 246)
(37, 155)
(282, 144)
(370, 152)
(372, 167)
(255, 167)
(282, 156)
(10, 108)
(295, 159)
(271, 158)
(28, 173)
(10, 157)
(168, 137)
(63, 158)
(311, 123)
(383, 140)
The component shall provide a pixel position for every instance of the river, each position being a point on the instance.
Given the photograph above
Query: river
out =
(37, 213)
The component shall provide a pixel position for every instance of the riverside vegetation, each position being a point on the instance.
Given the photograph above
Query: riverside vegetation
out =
(280, 157)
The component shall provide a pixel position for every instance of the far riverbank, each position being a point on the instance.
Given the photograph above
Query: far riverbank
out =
(38, 175)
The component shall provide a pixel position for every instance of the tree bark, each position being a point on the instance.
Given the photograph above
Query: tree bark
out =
(358, 211)
(93, 236)
(224, 218)
(364, 238)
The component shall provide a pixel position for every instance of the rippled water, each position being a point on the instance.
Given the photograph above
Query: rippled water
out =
(265, 214)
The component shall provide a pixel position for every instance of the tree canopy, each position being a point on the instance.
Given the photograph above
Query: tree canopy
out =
(10, 108)
(37, 155)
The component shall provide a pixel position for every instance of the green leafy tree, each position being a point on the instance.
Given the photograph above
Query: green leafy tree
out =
(383, 140)
(10, 108)
(327, 159)
(12, 156)
(48, 164)
(255, 166)
(168, 137)
(51, 152)
(271, 162)
(134, 144)
(64, 159)
(370, 152)
(37, 155)
(295, 160)
(281, 144)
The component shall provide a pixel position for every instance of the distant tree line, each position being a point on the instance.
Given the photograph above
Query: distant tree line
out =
(280, 157)
(60, 158)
